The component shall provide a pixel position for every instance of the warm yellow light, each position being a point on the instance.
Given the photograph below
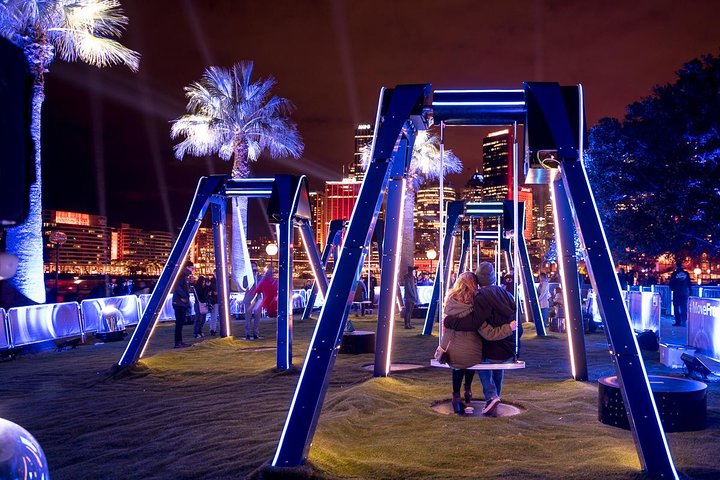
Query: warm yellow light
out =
(271, 249)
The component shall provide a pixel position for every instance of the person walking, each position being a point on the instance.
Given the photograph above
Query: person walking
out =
(680, 287)
(462, 338)
(181, 302)
(411, 294)
(495, 306)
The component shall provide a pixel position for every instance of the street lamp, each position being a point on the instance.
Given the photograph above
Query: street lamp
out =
(697, 273)
(271, 249)
(57, 238)
(431, 255)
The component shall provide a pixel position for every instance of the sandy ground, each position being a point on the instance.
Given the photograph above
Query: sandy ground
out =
(216, 411)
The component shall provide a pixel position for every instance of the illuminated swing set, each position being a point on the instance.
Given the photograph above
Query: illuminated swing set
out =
(553, 118)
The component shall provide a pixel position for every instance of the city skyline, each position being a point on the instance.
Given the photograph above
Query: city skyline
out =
(106, 145)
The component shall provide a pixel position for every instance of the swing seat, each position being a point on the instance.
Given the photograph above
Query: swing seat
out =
(484, 366)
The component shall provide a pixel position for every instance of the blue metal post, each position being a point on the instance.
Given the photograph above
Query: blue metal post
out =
(454, 212)
(219, 206)
(390, 260)
(464, 250)
(316, 263)
(526, 276)
(207, 187)
(565, 242)
(283, 203)
(394, 109)
(650, 441)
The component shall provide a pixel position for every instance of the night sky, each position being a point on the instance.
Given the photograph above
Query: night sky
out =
(106, 143)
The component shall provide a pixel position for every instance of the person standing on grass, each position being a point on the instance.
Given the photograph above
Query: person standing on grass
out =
(181, 302)
(543, 290)
(411, 294)
(680, 287)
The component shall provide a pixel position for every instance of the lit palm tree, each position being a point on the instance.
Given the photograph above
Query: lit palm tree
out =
(73, 30)
(236, 118)
(424, 168)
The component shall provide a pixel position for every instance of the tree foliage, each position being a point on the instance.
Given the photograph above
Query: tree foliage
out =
(237, 118)
(656, 174)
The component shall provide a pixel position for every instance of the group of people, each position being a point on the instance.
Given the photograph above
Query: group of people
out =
(479, 326)
(261, 296)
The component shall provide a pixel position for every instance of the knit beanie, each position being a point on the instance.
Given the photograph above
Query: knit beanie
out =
(485, 274)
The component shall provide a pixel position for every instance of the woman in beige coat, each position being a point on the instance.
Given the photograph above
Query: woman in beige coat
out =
(462, 337)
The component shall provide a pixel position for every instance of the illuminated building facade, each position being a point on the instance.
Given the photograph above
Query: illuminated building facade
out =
(317, 205)
(140, 251)
(363, 138)
(497, 175)
(340, 198)
(427, 215)
(202, 252)
(87, 248)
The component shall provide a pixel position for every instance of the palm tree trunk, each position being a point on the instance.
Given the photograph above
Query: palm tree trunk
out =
(239, 254)
(26, 240)
(407, 248)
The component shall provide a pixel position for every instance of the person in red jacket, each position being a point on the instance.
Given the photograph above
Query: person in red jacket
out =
(265, 295)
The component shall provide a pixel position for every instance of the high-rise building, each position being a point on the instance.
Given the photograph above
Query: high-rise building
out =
(497, 173)
(473, 191)
(317, 206)
(363, 139)
(87, 246)
(427, 214)
(525, 194)
(340, 198)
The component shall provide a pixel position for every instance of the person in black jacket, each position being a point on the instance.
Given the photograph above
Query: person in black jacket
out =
(680, 286)
(497, 307)
(181, 302)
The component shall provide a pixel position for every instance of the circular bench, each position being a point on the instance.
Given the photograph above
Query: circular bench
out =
(681, 403)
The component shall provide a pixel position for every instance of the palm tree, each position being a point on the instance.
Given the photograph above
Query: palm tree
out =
(424, 168)
(74, 30)
(236, 118)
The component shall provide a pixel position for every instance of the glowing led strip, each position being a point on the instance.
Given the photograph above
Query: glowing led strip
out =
(396, 266)
(479, 104)
(322, 310)
(559, 249)
(607, 249)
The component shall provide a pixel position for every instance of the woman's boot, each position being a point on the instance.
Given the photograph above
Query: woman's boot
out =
(468, 394)
(458, 406)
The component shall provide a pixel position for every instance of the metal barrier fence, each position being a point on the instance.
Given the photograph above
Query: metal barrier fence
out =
(22, 326)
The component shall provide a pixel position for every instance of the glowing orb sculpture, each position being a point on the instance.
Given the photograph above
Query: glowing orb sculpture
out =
(21, 456)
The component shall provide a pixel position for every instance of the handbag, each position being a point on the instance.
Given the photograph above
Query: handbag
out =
(203, 308)
(441, 354)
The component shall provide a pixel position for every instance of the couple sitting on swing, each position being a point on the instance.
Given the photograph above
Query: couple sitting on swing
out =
(479, 324)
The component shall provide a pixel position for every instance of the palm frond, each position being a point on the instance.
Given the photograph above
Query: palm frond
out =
(242, 112)
(79, 29)
(425, 163)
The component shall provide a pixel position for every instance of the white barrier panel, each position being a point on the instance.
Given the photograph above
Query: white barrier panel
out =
(4, 336)
(236, 299)
(166, 314)
(424, 293)
(39, 323)
(95, 310)
(644, 309)
(703, 322)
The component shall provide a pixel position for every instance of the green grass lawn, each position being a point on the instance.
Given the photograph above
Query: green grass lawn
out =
(216, 411)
